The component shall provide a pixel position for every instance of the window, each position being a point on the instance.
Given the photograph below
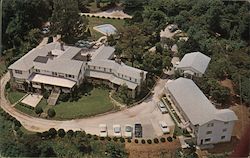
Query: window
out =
(208, 140)
(209, 132)
(105, 69)
(225, 123)
(130, 78)
(135, 80)
(210, 125)
(222, 137)
(18, 72)
(94, 67)
(224, 130)
(99, 67)
(110, 70)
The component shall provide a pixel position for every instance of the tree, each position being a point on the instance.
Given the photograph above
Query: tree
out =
(124, 93)
(70, 133)
(52, 132)
(67, 22)
(245, 85)
(51, 112)
(115, 150)
(38, 110)
(61, 133)
(158, 48)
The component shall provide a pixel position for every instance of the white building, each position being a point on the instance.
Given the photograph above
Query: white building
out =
(208, 124)
(65, 67)
(194, 64)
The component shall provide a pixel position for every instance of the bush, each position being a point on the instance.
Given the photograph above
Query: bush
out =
(95, 137)
(51, 112)
(38, 110)
(156, 141)
(170, 139)
(89, 135)
(163, 140)
(102, 138)
(61, 133)
(46, 94)
(149, 141)
(64, 97)
(115, 139)
(129, 140)
(17, 123)
(7, 86)
(52, 132)
(108, 138)
(50, 39)
(136, 141)
(122, 140)
(103, 17)
(70, 133)
(143, 141)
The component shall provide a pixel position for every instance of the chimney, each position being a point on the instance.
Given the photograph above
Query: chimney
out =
(50, 55)
(62, 44)
(118, 60)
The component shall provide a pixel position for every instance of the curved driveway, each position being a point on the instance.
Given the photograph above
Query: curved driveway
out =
(146, 113)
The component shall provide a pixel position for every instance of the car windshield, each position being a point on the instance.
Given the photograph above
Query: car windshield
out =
(128, 129)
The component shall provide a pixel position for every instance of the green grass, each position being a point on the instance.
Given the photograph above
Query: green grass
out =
(14, 96)
(97, 102)
(94, 21)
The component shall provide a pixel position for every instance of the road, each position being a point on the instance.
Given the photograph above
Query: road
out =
(145, 113)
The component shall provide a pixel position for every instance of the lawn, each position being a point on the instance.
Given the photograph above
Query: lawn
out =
(96, 103)
(14, 96)
(2, 68)
(94, 21)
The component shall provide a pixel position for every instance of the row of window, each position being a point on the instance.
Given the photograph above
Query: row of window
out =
(18, 72)
(110, 70)
(210, 132)
(212, 124)
(209, 139)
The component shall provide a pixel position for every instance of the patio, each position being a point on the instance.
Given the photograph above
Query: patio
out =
(32, 100)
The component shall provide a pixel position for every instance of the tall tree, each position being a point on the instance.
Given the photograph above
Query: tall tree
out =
(67, 21)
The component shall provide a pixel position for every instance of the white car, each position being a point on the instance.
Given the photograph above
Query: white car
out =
(165, 129)
(162, 107)
(117, 130)
(128, 131)
(103, 130)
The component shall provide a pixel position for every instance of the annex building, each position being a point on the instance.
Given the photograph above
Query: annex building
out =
(61, 67)
(208, 124)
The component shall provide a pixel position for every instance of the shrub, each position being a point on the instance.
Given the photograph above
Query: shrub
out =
(89, 135)
(103, 17)
(102, 138)
(95, 137)
(143, 141)
(7, 86)
(129, 140)
(38, 110)
(70, 133)
(51, 112)
(174, 136)
(17, 123)
(136, 141)
(156, 140)
(61, 133)
(64, 97)
(50, 39)
(108, 17)
(108, 138)
(163, 140)
(149, 141)
(170, 139)
(46, 94)
(52, 132)
(122, 140)
(115, 139)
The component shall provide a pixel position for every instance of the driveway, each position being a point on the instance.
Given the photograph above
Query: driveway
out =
(145, 113)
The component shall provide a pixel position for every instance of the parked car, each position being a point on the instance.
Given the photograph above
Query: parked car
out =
(45, 30)
(117, 130)
(103, 130)
(162, 107)
(164, 127)
(128, 131)
(138, 130)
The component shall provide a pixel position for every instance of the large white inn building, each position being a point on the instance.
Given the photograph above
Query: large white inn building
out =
(59, 66)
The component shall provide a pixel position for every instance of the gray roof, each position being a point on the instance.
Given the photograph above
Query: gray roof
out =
(104, 52)
(195, 60)
(118, 68)
(195, 104)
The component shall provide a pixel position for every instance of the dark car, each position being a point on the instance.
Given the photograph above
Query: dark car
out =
(138, 130)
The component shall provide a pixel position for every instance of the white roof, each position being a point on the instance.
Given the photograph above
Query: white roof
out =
(194, 103)
(110, 77)
(104, 52)
(57, 81)
(195, 60)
